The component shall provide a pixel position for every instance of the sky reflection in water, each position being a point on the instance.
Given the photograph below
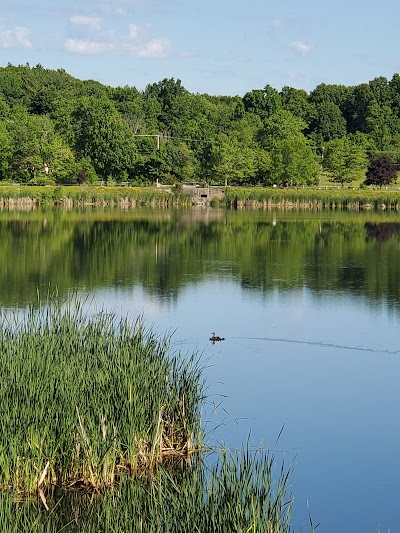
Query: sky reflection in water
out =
(326, 368)
(308, 304)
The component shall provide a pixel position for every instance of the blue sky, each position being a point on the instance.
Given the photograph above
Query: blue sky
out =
(217, 47)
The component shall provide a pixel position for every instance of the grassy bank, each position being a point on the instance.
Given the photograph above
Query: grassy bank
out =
(72, 196)
(101, 431)
(334, 199)
(235, 197)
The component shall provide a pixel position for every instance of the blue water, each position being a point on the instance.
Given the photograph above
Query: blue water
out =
(321, 372)
(308, 306)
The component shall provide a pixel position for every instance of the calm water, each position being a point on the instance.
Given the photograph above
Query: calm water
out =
(308, 304)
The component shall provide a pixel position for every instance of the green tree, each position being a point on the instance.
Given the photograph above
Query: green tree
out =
(166, 92)
(181, 160)
(38, 149)
(291, 155)
(281, 125)
(337, 94)
(293, 163)
(379, 124)
(102, 135)
(263, 163)
(329, 122)
(6, 152)
(264, 102)
(344, 160)
(297, 101)
(356, 108)
(148, 169)
(231, 162)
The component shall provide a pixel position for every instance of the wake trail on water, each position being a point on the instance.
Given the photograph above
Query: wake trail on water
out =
(321, 343)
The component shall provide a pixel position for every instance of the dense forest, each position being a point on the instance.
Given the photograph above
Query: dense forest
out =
(57, 129)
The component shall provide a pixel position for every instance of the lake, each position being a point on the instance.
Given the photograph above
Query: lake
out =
(308, 304)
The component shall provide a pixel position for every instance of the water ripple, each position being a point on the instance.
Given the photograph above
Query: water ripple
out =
(321, 343)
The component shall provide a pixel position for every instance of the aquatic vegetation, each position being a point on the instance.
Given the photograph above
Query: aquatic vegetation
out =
(101, 431)
(68, 196)
(237, 494)
(86, 399)
(312, 198)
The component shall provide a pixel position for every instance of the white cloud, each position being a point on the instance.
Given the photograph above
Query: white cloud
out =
(301, 47)
(154, 48)
(92, 22)
(15, 37)
(137, 42)
(140, 44)
(81, 46)
(137, 32)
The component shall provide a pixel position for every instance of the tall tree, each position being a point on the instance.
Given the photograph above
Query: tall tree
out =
(344, 160)
(336, 94)
(264, 102)
(292, 159)
(166, 92)
(231, 162)
(297, 101)
(381, 171)
(6, 151)
(329, 122)
(102, 135)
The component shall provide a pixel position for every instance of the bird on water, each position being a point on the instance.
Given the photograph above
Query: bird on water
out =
(215, 338)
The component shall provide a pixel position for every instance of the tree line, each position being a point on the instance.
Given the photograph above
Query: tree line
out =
(55, 128)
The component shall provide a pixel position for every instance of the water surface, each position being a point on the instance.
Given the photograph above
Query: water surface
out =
(308, 304)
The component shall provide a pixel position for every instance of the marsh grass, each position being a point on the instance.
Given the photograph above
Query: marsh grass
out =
(313, 198)
(86, 399)
(237, 494)
(87, 195)
(100, 432)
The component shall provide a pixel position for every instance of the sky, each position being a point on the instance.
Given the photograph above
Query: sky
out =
(218, 47)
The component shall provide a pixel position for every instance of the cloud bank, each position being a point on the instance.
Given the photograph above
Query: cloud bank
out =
(136, 41)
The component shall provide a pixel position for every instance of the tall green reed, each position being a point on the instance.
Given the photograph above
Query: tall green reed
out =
(239, 493)
(101, 432)
(86, 399)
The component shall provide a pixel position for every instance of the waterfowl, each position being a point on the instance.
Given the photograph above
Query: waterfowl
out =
(215, 338)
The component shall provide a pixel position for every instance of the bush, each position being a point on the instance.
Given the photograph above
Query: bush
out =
(41, 180)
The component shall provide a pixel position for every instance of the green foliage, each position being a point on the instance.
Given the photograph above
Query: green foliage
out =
(50, 119)
(329, 122)
(102, 135)
(344, 160)
(231, 162)
(41, 180)
(297, 101)
(6, 151)
(282, 125)
(291, 156)
(294, 163)
(263, 102)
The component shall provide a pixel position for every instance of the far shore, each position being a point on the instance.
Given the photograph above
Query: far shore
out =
(126, 196)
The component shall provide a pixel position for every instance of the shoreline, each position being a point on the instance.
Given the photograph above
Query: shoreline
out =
(28, 197)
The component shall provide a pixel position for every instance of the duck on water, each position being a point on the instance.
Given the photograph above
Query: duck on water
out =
(215, 338)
